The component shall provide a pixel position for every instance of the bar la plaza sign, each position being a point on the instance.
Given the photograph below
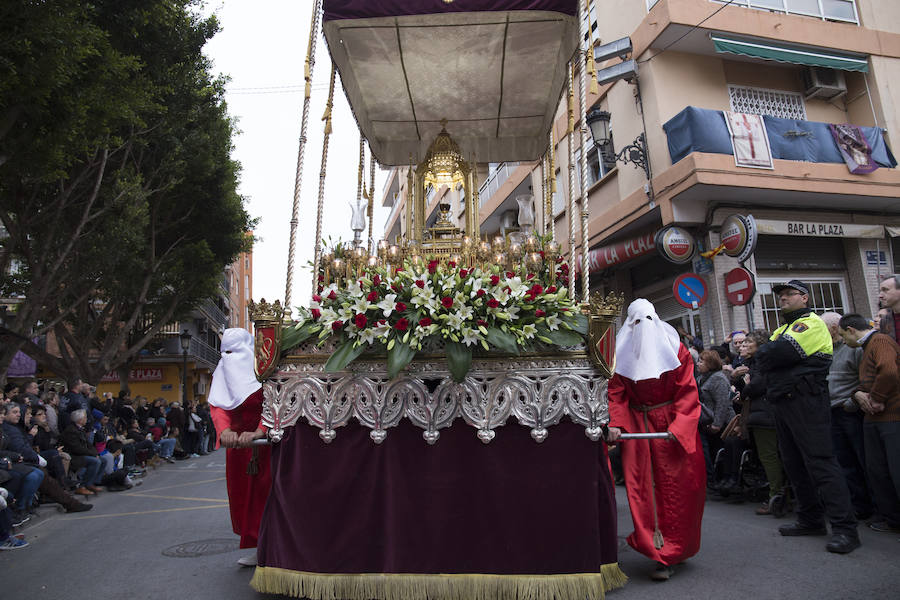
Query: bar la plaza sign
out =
(819, 229)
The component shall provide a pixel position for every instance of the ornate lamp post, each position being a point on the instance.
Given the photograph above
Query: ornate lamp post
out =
(185, 339)
(634, 153)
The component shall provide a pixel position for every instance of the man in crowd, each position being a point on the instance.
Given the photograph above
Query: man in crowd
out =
(76, 441)
(846, 418)
(796, 363)
(889, 297)
(879, 398)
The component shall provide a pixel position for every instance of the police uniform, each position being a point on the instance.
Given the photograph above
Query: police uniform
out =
(796, 362)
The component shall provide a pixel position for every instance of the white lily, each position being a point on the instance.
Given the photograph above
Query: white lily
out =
(552, 322)
(367, 335)
(388, 305)
(528, 331)
(453, 321)
(465, 312)
(470, 336)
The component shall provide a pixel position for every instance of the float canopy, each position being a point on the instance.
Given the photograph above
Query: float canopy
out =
(495, 74)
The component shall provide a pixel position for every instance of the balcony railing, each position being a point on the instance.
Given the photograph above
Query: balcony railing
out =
(827, 10)
(215, 313)
(494, 181)
(204, 352)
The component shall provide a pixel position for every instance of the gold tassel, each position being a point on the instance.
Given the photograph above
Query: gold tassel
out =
(253, 465)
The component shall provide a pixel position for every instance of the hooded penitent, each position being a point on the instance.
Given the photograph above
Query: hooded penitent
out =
(234, 380)
(646, 347)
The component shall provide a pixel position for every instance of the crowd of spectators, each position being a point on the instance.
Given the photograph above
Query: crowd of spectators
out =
(864, 391)
(66, 447)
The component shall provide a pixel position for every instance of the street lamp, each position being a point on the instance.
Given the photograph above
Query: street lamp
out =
(635, 153)
(185, 339)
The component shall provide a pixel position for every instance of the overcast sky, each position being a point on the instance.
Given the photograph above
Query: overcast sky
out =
(261, 47)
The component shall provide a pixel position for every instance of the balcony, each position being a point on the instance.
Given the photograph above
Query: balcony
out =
(827, 10)
(494, 181)
(215, 314)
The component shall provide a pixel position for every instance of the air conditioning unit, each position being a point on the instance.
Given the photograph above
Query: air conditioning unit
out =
(824, 83)
(199, 388)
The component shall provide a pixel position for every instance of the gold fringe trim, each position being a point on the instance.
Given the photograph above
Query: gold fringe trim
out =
(402, 586)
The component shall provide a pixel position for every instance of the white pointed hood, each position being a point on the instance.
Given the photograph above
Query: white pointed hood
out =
(646, 347)
(234, 379)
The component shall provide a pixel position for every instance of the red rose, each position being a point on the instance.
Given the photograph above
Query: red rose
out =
(420, 284)
(495, 279)
(482, 322)
(401, 307)
(316, 313)
(447, 301)
(559, 259)
(539, 313)
(382, 321)
(537, 289)
(529, 295)
(424, 322)
(479, 293)
(401, 325)
(399, 269)
(508, 290)
(463, 273)
(360, 321)
(317, 298)
(376, 280)
(432, 266)
(336, 326)
(564, 268)
(321, 278)
(551, 289)
(529, 276)
(332, 295)
(541, 253)
(452, 264)
(510, 274)
(372, 296)
(395, 287)
(319, 289)
(493, 303)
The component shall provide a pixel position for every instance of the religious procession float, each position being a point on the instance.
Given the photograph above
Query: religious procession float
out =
(436, 411)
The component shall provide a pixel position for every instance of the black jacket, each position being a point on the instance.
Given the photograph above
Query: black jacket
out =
(75, 441)
(760, 413)
(17, 441)
(788, 373)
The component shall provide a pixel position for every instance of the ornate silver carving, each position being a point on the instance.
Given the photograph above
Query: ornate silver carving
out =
(537, 391)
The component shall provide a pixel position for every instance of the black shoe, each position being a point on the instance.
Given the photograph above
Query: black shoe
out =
(842, 544)
(797, 529)
(883, 527)
(79, 507)
(19, 518)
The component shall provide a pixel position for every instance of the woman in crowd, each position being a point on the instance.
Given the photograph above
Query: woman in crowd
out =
(757, 415)
(715, 395)
(44, 441)
(25, 479)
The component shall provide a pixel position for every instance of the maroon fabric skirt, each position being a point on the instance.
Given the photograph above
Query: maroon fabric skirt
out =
(512, 506)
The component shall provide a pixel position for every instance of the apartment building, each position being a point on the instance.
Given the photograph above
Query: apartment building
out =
(801, 63)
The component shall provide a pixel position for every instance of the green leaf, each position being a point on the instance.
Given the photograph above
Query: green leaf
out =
(581, 323)
(343, 356)
(398, 357)
(562, 337)
(502, 340)
(459, 359)
(291, 337)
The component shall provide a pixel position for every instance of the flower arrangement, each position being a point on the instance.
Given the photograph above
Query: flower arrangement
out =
(403, 309)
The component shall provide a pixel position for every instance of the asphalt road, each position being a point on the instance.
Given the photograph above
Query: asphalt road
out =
(171, 538)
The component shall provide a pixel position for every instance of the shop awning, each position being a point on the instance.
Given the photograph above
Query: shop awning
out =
(797, 56)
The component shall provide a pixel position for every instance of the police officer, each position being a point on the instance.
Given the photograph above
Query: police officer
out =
(796, 361)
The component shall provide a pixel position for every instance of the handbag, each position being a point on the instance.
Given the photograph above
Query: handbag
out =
(733, 424)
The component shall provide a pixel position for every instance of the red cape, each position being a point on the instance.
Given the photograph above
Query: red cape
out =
(247, 494)
(674, 470)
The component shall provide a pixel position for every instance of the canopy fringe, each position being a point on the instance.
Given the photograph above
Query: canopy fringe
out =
(403, 586)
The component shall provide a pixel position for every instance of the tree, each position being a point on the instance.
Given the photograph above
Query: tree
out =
(153, 214)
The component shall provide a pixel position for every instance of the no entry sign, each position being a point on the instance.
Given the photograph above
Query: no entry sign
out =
(689, 290)
(739, 286)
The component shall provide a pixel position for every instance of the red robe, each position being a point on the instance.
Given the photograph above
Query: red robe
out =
(247, 493)
(674, 470)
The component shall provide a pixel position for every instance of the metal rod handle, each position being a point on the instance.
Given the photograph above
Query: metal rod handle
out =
(644, 436)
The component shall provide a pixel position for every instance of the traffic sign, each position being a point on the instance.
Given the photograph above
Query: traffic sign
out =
(739, 286)
(689, 290)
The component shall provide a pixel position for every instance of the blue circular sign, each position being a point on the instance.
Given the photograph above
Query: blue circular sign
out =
(689, 290)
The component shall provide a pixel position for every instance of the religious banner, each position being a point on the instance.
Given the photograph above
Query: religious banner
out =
(749, 140)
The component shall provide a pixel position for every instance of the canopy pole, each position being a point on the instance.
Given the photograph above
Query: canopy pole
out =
(371, 202)
(582, 110)
(551, 185)
(571, 169)
(298, 177)
(317, 261)
(546, 218)
(360, 188)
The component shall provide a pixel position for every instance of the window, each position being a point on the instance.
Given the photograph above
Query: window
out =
(651, 4)
(760, 101)
(826, 294)
(828, 10)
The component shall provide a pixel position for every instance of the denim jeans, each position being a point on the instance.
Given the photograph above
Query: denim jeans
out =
(165, 447)
(90, 473)
(30, 484)
(849, 449)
